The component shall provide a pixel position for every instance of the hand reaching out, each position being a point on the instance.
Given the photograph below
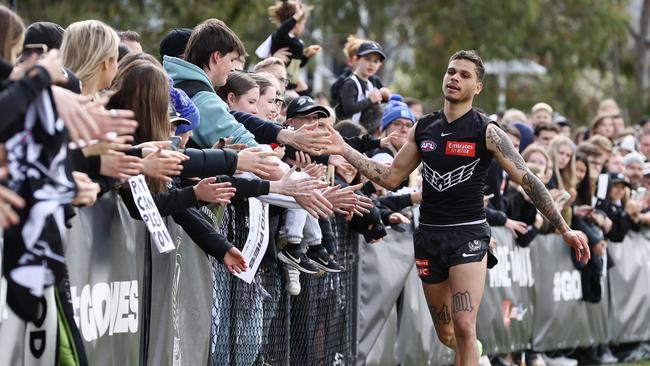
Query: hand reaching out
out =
(119, 165)
(397, 218)
(257, 162)
(87, 190)
(9, 198)
(234, 261)
(302, 187)
(228, 144)
(578, 241)
(207, 190)
(161, 165)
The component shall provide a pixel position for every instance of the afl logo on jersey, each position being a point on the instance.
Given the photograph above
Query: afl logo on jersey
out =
(428, 145)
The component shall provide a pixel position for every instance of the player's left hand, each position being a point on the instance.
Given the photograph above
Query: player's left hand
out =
(578, 241)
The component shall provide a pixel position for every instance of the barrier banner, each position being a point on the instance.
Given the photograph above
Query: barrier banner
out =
(561, 318)
(387, 276)
(630, 288)
(181, 299)
(104, 253)
(505, 319)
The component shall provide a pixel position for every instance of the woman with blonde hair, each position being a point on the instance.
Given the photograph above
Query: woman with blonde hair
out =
(562, 154)
(12, 33)
(90, 50)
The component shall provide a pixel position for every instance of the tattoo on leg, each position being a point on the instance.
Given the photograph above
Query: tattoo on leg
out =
(461, 301)
(441, 317)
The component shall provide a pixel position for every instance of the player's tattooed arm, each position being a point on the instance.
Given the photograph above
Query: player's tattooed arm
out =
(501, 147)
(406, 160)
(374, 170)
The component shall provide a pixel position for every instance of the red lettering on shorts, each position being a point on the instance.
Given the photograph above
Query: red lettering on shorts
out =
(423, 267)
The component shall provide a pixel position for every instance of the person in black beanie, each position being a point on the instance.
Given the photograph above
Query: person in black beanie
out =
(173, 43)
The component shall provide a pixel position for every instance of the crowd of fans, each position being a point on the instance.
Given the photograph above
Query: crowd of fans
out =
(87, 109)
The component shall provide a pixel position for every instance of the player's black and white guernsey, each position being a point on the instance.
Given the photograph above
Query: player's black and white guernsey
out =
(455, 160)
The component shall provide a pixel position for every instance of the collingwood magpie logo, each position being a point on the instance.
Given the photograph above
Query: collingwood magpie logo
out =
(442, 182)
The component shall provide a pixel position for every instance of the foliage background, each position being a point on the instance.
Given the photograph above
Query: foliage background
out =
(592, 49)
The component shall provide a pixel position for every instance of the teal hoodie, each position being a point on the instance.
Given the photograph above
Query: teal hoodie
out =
(216, 120)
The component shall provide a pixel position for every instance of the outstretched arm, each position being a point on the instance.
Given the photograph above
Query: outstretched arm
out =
(388, 176)
(501, 147)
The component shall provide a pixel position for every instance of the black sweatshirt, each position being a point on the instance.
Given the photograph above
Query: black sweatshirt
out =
(265, 132)
(281, 39)
(348, 105)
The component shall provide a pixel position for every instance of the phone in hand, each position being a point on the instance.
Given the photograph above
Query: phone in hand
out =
(175, 141)
(33, 49)
(639, 194)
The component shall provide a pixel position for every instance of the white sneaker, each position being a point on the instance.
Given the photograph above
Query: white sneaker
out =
(293, 280)
(484, 361)
(559, 361)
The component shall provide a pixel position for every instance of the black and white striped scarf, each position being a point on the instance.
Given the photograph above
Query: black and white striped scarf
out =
(39, 172)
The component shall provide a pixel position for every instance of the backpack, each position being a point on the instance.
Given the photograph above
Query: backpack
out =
(192, 87)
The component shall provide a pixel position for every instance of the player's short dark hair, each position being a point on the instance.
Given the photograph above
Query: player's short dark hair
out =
(473, 57)
(211, 36)
(129, 35)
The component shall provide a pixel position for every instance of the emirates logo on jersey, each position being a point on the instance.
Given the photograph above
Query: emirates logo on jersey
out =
(460, 148)
(428, 145)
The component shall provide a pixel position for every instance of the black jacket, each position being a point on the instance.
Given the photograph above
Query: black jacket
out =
(621, 221)
(281, 39)
(15, 97)
(209, 162)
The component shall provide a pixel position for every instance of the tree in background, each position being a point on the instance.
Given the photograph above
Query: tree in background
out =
(584, 44)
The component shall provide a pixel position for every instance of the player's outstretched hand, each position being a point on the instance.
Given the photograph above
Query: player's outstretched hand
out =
(578, 241)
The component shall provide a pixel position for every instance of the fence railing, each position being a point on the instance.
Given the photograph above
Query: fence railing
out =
(134, 305)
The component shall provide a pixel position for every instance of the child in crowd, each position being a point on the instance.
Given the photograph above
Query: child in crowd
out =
(359, 98)
(291, 16)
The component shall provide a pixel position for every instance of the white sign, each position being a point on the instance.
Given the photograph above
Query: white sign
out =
(258, 238)
(150, 214)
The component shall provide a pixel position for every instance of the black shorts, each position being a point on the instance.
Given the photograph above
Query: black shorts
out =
(438, 248)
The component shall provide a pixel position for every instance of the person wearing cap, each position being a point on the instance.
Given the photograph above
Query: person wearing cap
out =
(634, 163)
(359, 98)
(626, 144)
(299, 226)
(541, 112)
(565, 125)
(396, 122)
(620, 208)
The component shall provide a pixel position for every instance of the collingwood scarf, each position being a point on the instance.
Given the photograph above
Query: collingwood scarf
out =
(38, 169)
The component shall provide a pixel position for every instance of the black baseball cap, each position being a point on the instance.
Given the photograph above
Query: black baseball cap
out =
(304, 106)
(618, 178)
(47, 33)
(176, 117)
(367, 48)
(173, 43)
